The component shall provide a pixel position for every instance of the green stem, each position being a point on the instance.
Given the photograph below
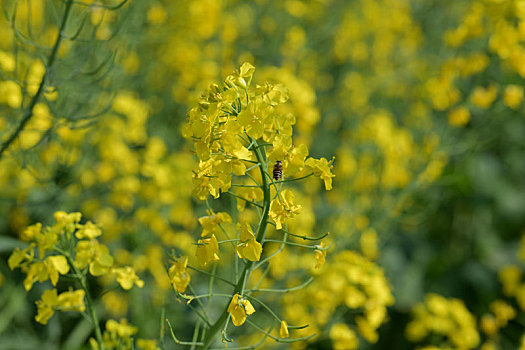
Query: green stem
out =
(209, 274)
(28, 113)
(89, 302)
(285, 290)
(304, 237)
(261, 232)
(246, 200)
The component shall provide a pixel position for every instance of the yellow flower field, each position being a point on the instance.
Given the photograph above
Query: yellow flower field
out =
(294, 174)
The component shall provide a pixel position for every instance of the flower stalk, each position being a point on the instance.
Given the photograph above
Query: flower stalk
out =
(261, 232)
(89, 302)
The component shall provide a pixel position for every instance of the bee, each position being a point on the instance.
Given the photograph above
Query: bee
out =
(278, 170)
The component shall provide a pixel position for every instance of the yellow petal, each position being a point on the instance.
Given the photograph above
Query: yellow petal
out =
(96, 269)
(236, 311)
(283, 332)
(59, 262)
(248, 307)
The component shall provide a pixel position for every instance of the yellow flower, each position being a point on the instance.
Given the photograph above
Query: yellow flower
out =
(510, 277)
(126, 276)
(7, 61)
(178, 275)
(233, 146)
(283, 207)
(484, 97)
(11, 94)
(147, 344)
(248, 247)
(292, 157)
(246, 70)
(31, 232)
(368, 244)
(21, 257)
(214, 175)
(123, 329)
(254, 118)
(283, 331)
(343, 337)
(513, 96)
(202, 187)
(488, 324)
(207, 250)
(243, 77)
(273, 94)
(254, 194)
(239, 308)
(46, 306)
(320, 256)
(55, 265)
(322, 168)
(66, 222)
(156, 14)
(66, 301)
(89, 231)
(116, 303)
(37, 272)
(367, 330)
(503, 312)
(72, 300)
(459, 116)
(61, 217)
(116, 335)
(294, 161)
(46, 241)
(280, 146)
(354, 297)
(95, 255)
(447, 318)
(50, 268)
(210, 223)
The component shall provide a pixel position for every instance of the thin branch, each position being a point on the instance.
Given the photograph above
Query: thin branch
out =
(209, 274)
(253, 167)
(303, 236)
(299, 245)
(285, 290)
(241, 185)
(294, 179)
(246, 200)
(177, 341)
(28, 114)
(162, 329)
(98, 5)
(279, 340)
(191, 298)
(280, 249)
(248, 347)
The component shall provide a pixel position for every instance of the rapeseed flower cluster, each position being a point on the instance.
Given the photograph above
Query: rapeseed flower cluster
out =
(448, 318)
(238, 135)
(117, 335)
(226, 125)
(490, 323)
(67, 246)
(348, 282)
(495, 29)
